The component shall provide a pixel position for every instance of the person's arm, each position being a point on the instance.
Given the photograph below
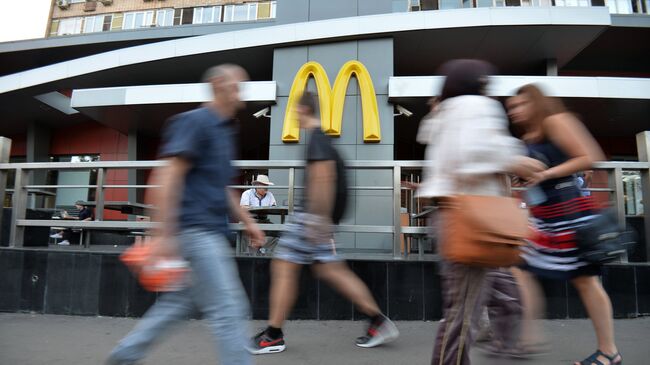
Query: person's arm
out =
(571, 136)
(239, 213)
(245, 199)
(273, 202)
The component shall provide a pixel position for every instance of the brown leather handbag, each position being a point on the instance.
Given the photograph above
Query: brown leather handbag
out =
(484, 231)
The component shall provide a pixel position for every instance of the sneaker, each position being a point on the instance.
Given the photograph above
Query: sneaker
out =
(377, 335)
(56, 235)
(64, 243)
(262, 343)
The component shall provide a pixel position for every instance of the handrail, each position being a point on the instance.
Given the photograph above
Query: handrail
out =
(261, 164)
(396, 167)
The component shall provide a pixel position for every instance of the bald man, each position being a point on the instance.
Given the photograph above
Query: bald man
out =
(193, 204)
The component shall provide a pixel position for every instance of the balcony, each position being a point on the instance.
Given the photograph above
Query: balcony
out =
(615, 6)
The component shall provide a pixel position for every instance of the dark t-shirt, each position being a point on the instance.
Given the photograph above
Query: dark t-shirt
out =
(320, 148)
(206, 140)
(85, 213)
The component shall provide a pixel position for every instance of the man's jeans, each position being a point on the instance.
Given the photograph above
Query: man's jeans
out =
(215, 290)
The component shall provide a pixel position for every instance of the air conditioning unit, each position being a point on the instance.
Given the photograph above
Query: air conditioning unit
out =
(106, 2)
(63, 4)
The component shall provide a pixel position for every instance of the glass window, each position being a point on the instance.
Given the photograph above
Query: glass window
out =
(217, 14)
(484, 3)
(228, 11)
(94, 23)
(241, 13)
(263, 10)
(108, 19)
(54, 28)
(205, 15)
(252, 11)
(633, 192)
(274, 6)
(148, 19)
(138, 19)
(128, 21)
(89, 24)
(165, 18)
(178, 15)
(198, 13)
(208, 15)
(70, 26)
(188, 16)
(117, 22)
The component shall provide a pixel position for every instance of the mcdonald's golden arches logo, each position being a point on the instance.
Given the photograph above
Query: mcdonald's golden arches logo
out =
(332, 100)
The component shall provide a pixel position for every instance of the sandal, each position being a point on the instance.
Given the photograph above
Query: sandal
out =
(593, 359)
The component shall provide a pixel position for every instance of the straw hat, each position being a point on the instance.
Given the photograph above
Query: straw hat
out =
(263, 179)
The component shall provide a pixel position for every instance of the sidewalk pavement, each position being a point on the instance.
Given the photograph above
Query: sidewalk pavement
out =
(35, 339)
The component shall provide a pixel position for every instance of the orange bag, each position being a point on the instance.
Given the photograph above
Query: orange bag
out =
(484, 231)
(159, 275)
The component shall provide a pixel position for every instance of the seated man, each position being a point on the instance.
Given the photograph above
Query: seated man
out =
(85, 214)
(259, 196)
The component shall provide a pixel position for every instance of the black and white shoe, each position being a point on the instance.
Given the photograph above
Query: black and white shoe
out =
(379, 333)
(262, 343)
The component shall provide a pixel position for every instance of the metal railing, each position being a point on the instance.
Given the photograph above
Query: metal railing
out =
(614, 189)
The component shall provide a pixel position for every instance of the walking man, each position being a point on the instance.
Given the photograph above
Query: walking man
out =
(193, 203)
(308, 240)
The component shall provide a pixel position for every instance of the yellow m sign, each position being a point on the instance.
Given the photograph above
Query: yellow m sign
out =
(332, 100)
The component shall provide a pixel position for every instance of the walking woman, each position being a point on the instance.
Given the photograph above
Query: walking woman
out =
(558, 139)
(469, 149)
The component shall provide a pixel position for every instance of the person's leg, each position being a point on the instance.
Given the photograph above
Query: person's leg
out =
(284, 290)
(463, 295)
(340, 277)
(599, 308)
(168, 310)
(218, 293)
(505, 308)
(533, 308)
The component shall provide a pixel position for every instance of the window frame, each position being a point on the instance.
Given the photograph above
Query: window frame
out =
(95, 18)
(233, 8)
(147, 15)
(166, 12)
(78, 29)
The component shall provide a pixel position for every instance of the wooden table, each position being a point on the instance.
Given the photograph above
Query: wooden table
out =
(125, 207)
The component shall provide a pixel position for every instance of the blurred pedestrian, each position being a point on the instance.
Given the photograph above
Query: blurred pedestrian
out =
(562, 142)
(309, 240)
(193, 203)
(469, 151)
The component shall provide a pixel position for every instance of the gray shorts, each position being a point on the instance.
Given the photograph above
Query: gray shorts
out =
(294, 247)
